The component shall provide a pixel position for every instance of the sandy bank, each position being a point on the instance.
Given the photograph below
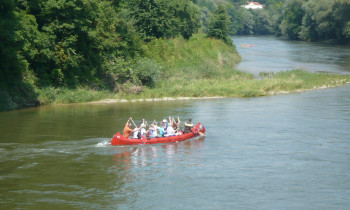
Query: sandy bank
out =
(106, 101)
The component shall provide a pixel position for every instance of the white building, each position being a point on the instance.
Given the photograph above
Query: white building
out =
(253, 5)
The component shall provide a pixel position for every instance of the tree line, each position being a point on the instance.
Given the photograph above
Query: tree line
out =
(310, 20)
(315, 20)
(93, 42)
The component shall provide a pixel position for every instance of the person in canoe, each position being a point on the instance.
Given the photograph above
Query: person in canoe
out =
(152, 131)
(188, 126)
(137, 134)
(176, 124)
(143, 128)
(127, 132)
(165, 126)
(161, 130)
(170, 131)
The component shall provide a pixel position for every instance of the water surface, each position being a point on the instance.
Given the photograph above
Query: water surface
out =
(269, 54)
(278, 152)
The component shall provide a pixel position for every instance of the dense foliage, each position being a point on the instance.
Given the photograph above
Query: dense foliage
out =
(164, 18)
(92, 43)
(310, 20)
(325, 19)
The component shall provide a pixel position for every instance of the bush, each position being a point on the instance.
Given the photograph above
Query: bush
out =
(147, 71)
(47, 95)
(117, 70)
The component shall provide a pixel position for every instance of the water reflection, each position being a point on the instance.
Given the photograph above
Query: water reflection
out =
(160, 154)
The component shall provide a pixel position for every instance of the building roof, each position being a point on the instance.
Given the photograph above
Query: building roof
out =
(255, 3)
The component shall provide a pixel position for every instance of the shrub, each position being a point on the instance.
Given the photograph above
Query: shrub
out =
(147, 71)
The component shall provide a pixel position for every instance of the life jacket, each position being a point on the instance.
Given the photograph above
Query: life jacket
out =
(188, 127)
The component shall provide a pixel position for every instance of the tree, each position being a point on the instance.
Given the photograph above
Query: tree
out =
(326, 19)
(292, 18)
(218, 25)
(187, 15)
(236, 19)
(14, 88)
(10, 68)
(153, 18)
(165, 18)
(341, 17)
(263, 24)
(248, 23)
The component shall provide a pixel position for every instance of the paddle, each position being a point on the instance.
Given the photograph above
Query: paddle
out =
(133, 122)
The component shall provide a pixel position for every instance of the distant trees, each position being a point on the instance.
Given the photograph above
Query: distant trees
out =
(218, 25)
(249, 22)
(315, 20)
(292, 18)
(310, 20)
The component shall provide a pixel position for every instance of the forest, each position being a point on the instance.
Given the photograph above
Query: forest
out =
(104, 45)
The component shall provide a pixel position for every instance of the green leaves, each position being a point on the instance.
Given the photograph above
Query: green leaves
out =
(315, 20)
(218, 25)
(292, 18)
(187, 17)
(164, 18)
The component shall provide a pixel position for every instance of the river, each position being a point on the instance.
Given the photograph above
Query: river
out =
(276, 152)
(269, 54)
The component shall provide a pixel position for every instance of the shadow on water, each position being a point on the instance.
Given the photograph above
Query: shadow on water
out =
(145, 155)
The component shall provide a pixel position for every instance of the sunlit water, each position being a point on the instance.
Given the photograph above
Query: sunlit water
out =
(269, 54)
(278, 152)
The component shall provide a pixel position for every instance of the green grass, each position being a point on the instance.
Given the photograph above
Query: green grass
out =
(52, 95)
(290, 81)
(196, 58)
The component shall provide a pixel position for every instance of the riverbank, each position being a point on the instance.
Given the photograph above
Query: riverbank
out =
(174, 89)
(199, 68)
(295, 81)
(106, 101)
(109, 101)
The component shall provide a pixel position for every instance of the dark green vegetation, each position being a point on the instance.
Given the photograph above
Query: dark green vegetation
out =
(65, 51)
(310, 20)
(315, 20)
(95, 44)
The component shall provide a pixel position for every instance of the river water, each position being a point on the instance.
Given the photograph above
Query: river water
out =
(277, 152)
(268, 54)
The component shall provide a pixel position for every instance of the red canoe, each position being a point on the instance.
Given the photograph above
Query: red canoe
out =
(118, 139)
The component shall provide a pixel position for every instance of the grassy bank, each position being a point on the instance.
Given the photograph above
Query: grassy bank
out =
(284, 82)
(235, 86)
(205, 67)
(199, 67)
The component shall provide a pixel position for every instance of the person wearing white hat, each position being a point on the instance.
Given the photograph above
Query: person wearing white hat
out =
(143, 128)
